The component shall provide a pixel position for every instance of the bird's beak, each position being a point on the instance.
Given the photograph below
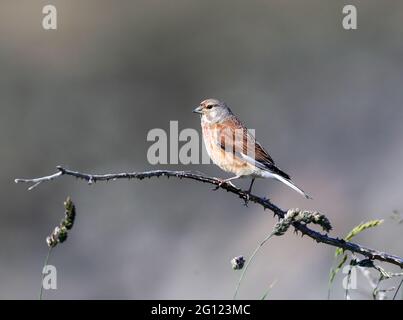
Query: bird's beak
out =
(198, 110)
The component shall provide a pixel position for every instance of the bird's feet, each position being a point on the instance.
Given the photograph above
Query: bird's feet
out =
(248, 193)
(223, 181)
(246, 198)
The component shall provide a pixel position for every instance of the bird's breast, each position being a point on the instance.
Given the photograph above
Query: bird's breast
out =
(227, 161)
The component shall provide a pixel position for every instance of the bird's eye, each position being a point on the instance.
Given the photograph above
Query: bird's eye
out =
(209, 106)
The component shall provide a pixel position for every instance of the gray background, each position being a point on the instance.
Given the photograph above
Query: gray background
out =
(327, 104)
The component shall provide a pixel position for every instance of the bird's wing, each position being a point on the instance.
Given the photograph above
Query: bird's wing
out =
(234, 137)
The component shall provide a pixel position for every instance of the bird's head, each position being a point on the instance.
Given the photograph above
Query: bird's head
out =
(213, 110)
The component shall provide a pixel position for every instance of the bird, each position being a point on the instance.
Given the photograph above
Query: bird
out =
(233, 148)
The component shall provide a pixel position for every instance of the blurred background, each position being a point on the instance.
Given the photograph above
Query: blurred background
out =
(326, 103)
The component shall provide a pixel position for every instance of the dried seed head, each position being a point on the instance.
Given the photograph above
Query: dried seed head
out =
(60, 232)
(297, 215)
(238, 263)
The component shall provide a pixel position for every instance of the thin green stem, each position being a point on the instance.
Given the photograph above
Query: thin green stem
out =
(248, 263)
(43, 275)
(397, 290)
(268, 290)
(330, 282)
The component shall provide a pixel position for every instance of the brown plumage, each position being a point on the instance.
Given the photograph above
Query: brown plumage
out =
(234, 149)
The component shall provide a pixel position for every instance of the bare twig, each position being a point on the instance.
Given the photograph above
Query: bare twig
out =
(265, 203)
(38, 181)
(374, 285)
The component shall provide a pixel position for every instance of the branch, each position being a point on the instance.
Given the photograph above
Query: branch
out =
(265, 203)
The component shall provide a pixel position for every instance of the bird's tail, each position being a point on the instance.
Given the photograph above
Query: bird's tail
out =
(291, 185)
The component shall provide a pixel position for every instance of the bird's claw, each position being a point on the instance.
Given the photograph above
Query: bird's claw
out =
(247, 198)
(221, 182)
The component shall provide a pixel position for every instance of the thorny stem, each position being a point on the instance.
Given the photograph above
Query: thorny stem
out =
(265, 203)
